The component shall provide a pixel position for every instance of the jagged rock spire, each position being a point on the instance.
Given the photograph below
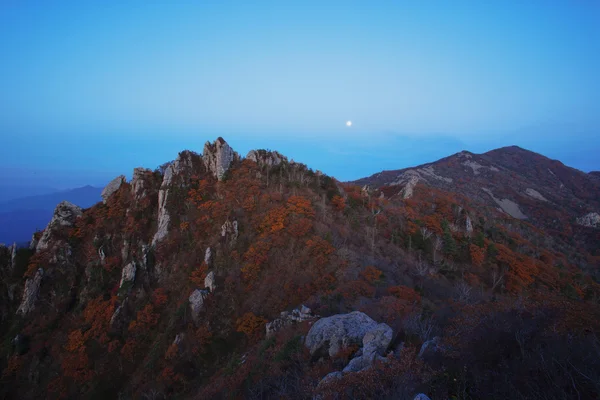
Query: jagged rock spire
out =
(218, 156)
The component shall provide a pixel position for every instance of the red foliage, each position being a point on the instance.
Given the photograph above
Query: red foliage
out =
(371, 274)
(338, 202)
(251, 325)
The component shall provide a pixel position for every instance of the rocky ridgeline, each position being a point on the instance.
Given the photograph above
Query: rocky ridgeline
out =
(218, 156)
(266, 158)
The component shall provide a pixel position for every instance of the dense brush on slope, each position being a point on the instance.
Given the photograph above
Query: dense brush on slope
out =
(164, 290)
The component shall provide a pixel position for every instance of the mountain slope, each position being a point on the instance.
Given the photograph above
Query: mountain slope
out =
(523, 184)
(219, 276)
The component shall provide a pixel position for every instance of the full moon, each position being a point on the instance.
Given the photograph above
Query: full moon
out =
(348, 123)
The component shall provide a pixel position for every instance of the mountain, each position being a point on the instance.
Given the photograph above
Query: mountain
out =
(20, 218)
(520, 183)
(219, 276)
(11, 191)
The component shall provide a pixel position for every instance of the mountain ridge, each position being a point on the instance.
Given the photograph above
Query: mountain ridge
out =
(217, 275)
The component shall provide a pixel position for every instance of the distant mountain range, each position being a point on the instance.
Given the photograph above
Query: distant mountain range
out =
(20, 218)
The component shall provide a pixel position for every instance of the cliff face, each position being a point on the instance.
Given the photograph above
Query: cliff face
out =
(218, 276)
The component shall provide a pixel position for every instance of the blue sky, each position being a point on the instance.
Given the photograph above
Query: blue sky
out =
(89, 90)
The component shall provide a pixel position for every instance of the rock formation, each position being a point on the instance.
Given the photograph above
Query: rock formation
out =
(196, 300)
(65, 215)
(288, 318)
(112, 187)
(266, 158)
(128, 274)
(329, 335)
(591, 220)
(210, 282)
(139, 184)
(217, 157)
(30, 293)
(182, 166)
(230, 230)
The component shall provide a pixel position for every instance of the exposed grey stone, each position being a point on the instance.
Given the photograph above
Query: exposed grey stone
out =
(266, 158)
(139, 185)
(197, 302)
(591, 220)
(33, 243)
(377, 340)
(115, 318)
(183, 163)
(65, 214)
(178, 339)
(208, 256)
(13, 256)
(469, 226)
(112, 187)
(287, 318)
(217, 157)
(421, 396)
(329, 335)
(430, 347)
(128, 274)
(209, 281)
(230, 229)
(30, 292)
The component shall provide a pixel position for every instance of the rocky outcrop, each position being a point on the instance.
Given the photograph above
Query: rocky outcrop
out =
(210, 282)
(8, 257)
(266, 158)
(208, 256)
(112, 187)
(230, 230)
(468, 226)
(196, 300)
(30, 293)
(128, 274)
(217, 157)
(329, 335)
(375, 343)
(64, 215)
(287, 318)
(421, 396)
(163, 215)
(591, 220)
(139, 182)
(182, 166)
(430, 347)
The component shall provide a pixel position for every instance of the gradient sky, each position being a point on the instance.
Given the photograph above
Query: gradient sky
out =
(90, 90)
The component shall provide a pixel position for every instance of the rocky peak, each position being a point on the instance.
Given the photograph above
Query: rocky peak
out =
(218, 156)
(182, 166)
(139, 184)
(112, 187)
(266, 158)
(65, 214)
